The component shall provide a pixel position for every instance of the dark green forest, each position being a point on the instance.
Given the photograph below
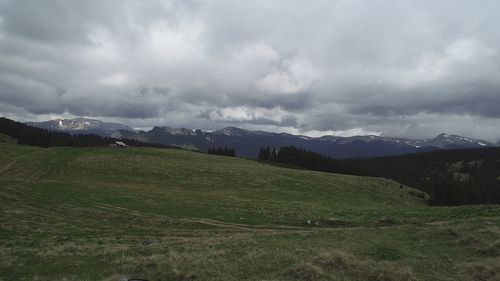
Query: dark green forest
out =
(224, 151)
(450, 177)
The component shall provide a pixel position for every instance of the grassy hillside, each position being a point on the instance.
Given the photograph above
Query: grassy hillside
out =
(450, 177)
(7, 139)
(161, 214)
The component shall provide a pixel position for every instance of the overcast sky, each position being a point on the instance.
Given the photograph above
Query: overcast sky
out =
(346, 67)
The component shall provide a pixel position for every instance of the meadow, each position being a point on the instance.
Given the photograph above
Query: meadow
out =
(168, 214)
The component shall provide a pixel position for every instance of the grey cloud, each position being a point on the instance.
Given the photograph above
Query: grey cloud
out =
(31, 95)
(125, 103)
(332, 66)
(481, 98)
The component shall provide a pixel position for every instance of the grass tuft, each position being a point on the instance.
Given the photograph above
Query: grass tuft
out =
(304, 272)
(343, 264)
(482, 271)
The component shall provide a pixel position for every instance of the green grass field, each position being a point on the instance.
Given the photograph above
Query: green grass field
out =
(7, 139)
(164, 214)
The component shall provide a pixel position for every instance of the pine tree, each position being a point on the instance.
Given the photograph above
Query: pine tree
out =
(273, 155)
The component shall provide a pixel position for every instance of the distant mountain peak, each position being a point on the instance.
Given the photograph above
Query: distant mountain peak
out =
(442, 135)
(445, 140)
(174, 131)
(247, 142)
(81, 125)
(232, 131)
(161, 129)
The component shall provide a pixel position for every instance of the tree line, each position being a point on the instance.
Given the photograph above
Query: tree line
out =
(450, 177)
(225, 151)
(267, 154)
(30, 135)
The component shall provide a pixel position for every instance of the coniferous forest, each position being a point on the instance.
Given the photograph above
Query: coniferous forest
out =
(450, 177)
(224, 151)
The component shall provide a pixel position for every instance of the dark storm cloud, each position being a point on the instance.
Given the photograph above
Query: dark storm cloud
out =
(481, 99)
(406, 68)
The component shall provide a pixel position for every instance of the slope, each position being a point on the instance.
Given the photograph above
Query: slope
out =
(163, 214)
(183, 183)
(7, 139)
(451, 177)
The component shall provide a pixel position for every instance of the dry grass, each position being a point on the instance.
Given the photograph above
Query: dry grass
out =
(485, 244)
(304, 272)
(338, 264)
(156, 266)
(482, 271)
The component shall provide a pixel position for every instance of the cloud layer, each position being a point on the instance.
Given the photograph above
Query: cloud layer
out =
(401, 68)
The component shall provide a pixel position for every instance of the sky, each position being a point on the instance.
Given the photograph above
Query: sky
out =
(344, 67)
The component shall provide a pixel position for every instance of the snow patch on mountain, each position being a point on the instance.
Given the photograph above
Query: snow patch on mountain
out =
(81, 125)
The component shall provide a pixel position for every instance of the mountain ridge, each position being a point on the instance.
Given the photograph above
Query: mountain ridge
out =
(248, 142)
(82, 125)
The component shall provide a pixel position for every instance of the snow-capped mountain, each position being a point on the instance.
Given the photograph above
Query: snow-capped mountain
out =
(82, 126)
(235, 132)
(247, 143)
(450, 141)
(443, 140)
(174, 131)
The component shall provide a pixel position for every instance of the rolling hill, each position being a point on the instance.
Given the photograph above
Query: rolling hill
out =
(165, 214)
(450, 177)
(7, 139)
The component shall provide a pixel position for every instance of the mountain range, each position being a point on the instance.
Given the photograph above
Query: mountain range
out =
(247, 143)
(83, 126)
